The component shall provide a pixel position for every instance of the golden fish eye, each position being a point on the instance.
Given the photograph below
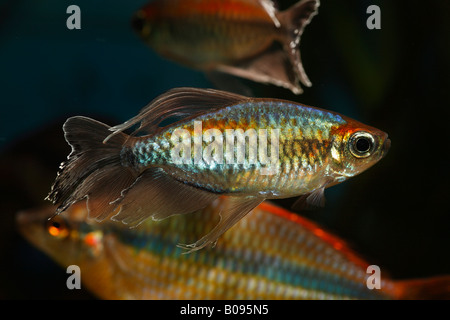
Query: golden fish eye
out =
(361, 144)
(57, 227)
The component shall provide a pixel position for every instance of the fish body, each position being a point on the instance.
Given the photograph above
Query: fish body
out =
(305, 137)
(270, 254)
(178, 168)
(246, 38)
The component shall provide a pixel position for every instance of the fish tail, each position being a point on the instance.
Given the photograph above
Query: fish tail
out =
(435, 288)
(93, 170)
(294, 20)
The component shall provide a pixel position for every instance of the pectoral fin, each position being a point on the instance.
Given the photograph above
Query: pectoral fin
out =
(272, 66)
(315, 199)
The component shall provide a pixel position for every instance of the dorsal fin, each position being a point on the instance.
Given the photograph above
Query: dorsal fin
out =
(177, 102)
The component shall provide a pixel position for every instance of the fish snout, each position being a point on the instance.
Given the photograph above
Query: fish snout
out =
(24, 221)
(34, 216)
(22, 217)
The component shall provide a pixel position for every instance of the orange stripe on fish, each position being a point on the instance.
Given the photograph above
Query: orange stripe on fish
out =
(336, 242)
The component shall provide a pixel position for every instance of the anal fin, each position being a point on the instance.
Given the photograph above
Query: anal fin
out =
(156, 194)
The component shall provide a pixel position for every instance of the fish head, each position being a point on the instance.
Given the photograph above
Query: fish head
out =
(66, 237)
(355, 148)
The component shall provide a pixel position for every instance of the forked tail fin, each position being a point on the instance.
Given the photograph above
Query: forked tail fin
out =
(93, 170)
(294, 20)
(435, 288)
(280, 63)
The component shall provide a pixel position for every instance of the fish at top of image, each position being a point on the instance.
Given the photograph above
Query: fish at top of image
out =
(270, 254)
(250, 39)
(223, 144)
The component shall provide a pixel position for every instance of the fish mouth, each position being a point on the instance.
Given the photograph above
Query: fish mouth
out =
(24, 224)
(24, 218)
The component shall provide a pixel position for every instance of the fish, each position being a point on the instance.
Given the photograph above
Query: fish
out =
(249, 39)
(192, 146)
(271, 254)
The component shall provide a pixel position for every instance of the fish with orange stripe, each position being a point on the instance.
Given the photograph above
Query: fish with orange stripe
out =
(192, 146)
(270, 254)
(245, 38)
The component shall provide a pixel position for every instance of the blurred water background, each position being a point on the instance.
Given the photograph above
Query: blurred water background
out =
(396, 79)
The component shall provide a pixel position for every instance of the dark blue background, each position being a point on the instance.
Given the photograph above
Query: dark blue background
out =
(396, 79)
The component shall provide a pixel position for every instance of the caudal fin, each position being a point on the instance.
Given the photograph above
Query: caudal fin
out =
(93, 170)
(280, 64)
(294, 20)
(436, 288)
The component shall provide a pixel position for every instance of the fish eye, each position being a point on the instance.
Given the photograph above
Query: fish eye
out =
(57, 227)
(361, 144)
